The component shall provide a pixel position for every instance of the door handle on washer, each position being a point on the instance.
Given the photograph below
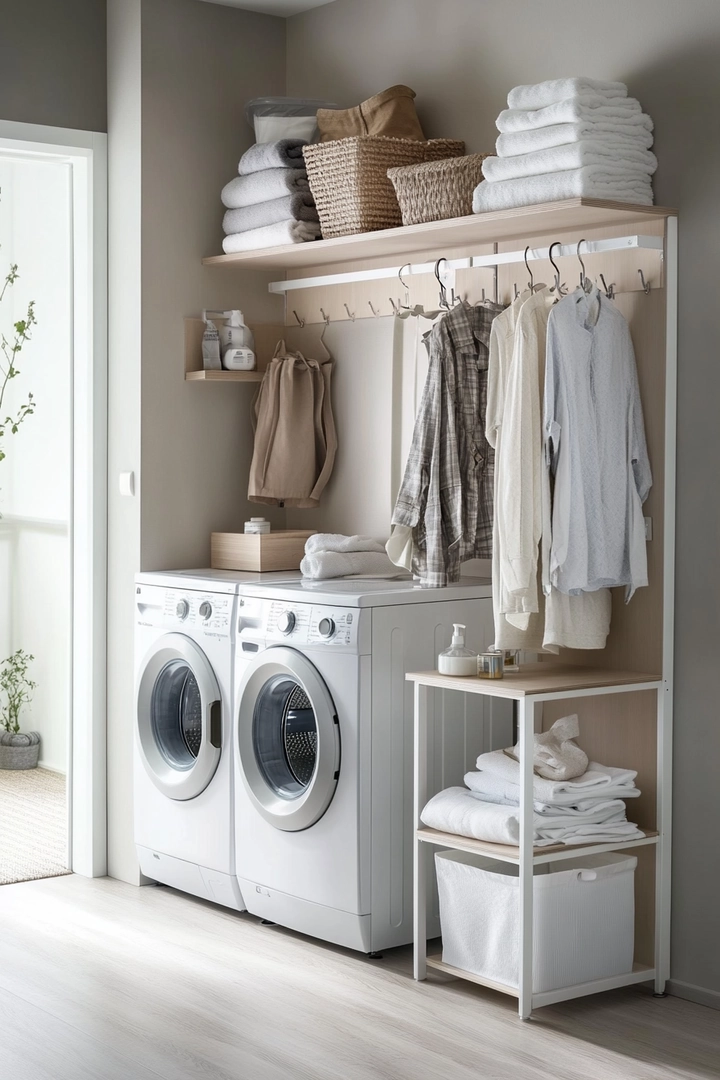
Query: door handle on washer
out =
(216, 724)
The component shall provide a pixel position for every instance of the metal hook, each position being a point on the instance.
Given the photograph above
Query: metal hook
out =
(609, 289)
(583, 275)
(351, 314)
(531, 283)
(394, 306)
(370, 305)
(301, 322)
(558, 286)
(645, 284)
(405, 286)
(326, 318)
(443, 291)
(515, 290)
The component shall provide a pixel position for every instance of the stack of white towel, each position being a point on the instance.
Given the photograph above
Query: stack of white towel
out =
(588, 809)
(269, 203)
(569, 138)
(332, 555)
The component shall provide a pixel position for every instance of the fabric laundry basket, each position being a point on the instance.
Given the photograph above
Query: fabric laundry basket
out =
(349, 181)
(583, 918)
(436, 190)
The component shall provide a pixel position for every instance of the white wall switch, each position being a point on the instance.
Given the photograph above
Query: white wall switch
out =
(126, 483)
(648, 528)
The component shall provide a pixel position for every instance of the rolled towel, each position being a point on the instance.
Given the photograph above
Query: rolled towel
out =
(336, 564)
(261, 186)
(494, 788)
(283, 232)
(606, 134)
(299, 207)
(538, 95)
(556, 755)
(283, 154)
(624, 113)
(571, 156)
(456, 810)
(552, 187)
(339, 542)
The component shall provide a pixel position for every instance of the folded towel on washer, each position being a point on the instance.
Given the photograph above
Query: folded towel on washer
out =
(606, 135)
(591, 182)
(339, 542)
(283, 232)
(625, 114)
(283, 154)
(538, 95)
(336, 564)
(298, 207)
(457, 810)
(261, 186)
(570, 156)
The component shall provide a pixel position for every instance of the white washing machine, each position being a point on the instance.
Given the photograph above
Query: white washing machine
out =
(184, 658)
(323, 747)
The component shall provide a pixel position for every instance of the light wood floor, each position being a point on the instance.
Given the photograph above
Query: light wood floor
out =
(101, 981)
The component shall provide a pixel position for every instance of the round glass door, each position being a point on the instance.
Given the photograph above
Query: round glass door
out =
(179, 717)
(288, 739)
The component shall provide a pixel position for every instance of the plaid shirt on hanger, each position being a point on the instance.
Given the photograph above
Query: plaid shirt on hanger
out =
(446, 496)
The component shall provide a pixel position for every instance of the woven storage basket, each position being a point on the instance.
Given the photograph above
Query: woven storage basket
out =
(349, 181)
(436, 190)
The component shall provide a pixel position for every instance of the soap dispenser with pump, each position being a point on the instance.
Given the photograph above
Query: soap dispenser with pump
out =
(457, 660)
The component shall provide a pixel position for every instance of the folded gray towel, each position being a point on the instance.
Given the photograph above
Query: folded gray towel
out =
(261, 186)
(283, 154)
(298, 207)
(278, 235)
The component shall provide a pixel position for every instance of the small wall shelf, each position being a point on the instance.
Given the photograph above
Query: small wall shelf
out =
(223, 376)
(266, 337)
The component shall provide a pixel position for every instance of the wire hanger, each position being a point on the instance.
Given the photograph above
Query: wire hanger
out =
(406, 305)
(531, 282)
(444, 303)
(585, 282)
(559, 286)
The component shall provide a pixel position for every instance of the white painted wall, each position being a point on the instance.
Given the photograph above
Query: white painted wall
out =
(35, 477)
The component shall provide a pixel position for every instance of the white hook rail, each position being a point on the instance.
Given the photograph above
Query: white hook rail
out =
(590, 247)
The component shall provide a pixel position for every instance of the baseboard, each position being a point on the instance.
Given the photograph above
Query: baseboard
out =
(51, 768)
(699, 994)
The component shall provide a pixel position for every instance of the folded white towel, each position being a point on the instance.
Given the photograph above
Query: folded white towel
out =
(570, 156)
(551, 187)
(595, 131)
(283, 154)
(594, 782)
(261, 186)
(336, 564)
(493, 788)
(297, 207)
(339, 542)
(538, 95)
(283, 232)
(624, 113)
(456, 810)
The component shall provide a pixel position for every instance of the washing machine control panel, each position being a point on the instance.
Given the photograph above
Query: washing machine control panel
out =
(209, 612)
(305, 624)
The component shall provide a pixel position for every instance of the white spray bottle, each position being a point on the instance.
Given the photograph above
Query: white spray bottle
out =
(238, 343)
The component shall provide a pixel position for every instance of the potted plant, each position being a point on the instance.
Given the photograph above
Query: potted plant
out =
(18, 750)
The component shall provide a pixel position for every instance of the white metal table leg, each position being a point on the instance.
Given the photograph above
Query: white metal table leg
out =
(662, 849)
(526, 717)
(420, 849)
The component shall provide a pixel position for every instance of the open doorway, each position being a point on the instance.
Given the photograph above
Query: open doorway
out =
(52, 502)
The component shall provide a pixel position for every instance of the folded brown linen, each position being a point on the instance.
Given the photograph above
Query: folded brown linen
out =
(298, 207)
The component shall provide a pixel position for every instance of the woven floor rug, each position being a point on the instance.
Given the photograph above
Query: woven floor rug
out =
(33, 825)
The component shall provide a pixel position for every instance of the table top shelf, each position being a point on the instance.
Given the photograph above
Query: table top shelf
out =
(511, 854)
(538, 679)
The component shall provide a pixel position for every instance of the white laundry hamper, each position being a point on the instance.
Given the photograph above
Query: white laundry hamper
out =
(583, 918)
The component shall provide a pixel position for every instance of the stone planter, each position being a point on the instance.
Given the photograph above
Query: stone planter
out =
(19, 751)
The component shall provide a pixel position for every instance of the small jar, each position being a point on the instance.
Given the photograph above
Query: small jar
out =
(490, 664)
(257, 525)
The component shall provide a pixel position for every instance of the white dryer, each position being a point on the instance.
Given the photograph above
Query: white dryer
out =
(184, 657)
(323, 747)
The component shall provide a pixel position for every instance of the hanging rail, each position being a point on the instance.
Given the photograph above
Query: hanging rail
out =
(590, 247)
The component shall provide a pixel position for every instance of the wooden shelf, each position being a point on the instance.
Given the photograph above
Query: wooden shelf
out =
(536, 679)
(459, 973)
(498, 226)
(223, 376)
(511, 854)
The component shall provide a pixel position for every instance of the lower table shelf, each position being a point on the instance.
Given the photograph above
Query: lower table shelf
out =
(639, 974)
(509, 853)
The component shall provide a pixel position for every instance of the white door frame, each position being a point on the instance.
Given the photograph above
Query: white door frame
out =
(86, 153)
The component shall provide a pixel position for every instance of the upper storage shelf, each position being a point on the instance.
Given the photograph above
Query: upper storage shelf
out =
(496, 227)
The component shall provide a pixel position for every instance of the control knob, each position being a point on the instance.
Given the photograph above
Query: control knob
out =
(205, 610)
(286, 622)
(326, 628)
(182, 609)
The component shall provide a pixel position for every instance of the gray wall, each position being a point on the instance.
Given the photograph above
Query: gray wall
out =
(52, 63)
(462, 57)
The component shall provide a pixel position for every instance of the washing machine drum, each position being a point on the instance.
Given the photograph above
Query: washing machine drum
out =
(288, 739)
(179, 717)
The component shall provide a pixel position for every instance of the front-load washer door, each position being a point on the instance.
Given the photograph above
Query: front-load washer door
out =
(288, 739)
(179, 717)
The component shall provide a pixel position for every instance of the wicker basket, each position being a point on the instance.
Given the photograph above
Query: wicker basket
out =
(436, 190)
(349, 181)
